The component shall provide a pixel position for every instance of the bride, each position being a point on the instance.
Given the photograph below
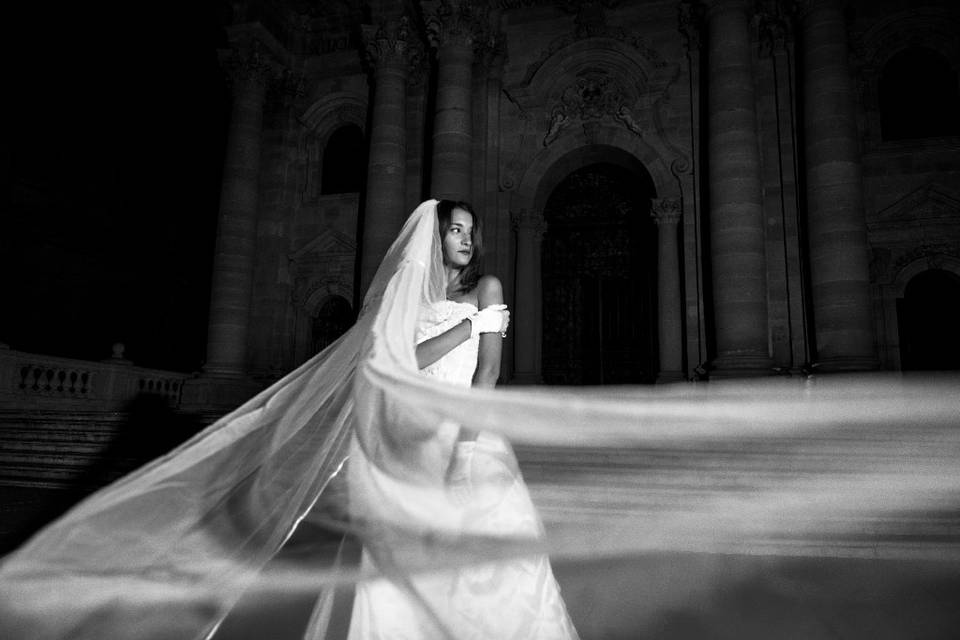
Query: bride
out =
(459, 341)
(170, 549)
(452, 546)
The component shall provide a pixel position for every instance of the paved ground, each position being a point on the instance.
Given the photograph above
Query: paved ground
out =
(708, 596)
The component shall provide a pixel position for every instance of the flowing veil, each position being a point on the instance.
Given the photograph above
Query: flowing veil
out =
(762, 465)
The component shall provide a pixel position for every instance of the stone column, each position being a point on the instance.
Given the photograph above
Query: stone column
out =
(525, 320)
(836, 226)
(452, 26)
(692, 31)
(666, 214)
(385, 210)
(736, 218)
(233, 259)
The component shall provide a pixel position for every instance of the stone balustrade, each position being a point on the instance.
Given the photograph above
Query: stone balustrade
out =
(30, 381)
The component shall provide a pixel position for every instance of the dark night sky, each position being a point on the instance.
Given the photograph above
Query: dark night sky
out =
(114, 154)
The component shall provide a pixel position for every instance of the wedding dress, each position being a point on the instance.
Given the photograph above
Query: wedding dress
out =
(447, 526)
(515, 599)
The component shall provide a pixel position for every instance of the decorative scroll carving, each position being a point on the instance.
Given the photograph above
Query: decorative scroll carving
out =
(593, 96)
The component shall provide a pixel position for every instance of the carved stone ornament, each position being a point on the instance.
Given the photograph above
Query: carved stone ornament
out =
(690, 23)
(595, 95)
(462, 21)
(388, 43)
(248, 63)
(591, 17)
(774, 26)
(665, 210)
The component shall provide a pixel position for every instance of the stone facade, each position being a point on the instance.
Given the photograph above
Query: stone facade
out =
(785, 225)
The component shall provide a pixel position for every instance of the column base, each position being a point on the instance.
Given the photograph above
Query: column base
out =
(523, 377)
(666, 377)
(741, 366)
(216, 394)
(846, 364)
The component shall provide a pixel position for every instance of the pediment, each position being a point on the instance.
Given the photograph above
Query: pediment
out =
(328, 242)
(932, 202)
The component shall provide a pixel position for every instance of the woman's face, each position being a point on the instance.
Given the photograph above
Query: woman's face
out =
(458, 241)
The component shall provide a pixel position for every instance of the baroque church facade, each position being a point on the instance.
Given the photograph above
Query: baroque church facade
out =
(670, 190)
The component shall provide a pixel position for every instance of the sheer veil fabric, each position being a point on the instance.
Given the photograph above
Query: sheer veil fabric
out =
(168, 550)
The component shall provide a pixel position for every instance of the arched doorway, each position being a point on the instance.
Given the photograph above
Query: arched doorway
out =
(929, 317)
(599, 279)
(331, 322)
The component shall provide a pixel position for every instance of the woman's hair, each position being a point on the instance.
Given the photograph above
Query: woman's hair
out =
(471, 273)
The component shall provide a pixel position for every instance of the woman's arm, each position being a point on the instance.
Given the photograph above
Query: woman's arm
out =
(429, 351)
(489, 291)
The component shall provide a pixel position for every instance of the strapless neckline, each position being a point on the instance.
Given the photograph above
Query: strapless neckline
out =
(466, 304)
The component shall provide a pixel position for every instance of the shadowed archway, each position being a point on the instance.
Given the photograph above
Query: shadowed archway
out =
(929, 314)
(599, 279)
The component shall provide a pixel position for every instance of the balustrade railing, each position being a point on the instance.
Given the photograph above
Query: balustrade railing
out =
(34, 381)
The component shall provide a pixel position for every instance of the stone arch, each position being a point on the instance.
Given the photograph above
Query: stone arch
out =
(320, 120)
(922, 326)
(896, 290)
(319, 293)
(334, 109)
(918, 96)
(930, 27)
(549, 168)
(933, 28)
(570, 152)
(598, 270)
(344, 163)
(322, 291)
(332, 317)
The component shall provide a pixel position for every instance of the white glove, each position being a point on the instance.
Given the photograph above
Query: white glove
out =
(492, 319)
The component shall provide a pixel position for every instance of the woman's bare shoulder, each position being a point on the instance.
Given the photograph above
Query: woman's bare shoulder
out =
(489, 290)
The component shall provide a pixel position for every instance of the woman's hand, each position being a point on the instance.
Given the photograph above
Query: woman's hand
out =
(492, 319)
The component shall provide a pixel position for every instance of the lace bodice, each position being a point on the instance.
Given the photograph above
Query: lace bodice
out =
(459, 365)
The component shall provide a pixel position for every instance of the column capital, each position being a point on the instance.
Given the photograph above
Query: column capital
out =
(774, 25)
(713, 7)
(248, 64)
(390, 44)
(665, 210)
(491, 54)
(455, 21)
(803, 7)
(690, 23)
(528, 220)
